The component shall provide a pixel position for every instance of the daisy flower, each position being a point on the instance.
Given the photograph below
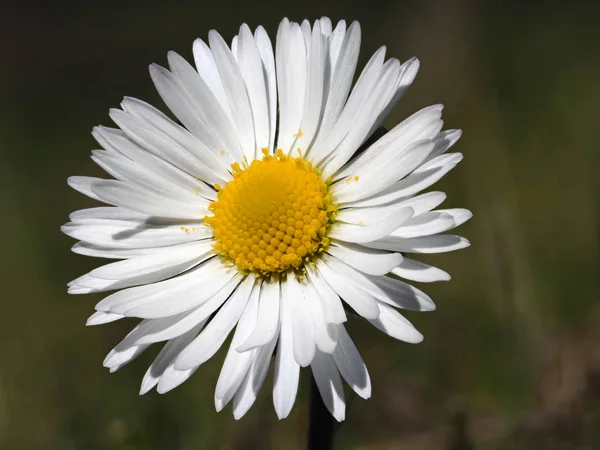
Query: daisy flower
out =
(254, 214)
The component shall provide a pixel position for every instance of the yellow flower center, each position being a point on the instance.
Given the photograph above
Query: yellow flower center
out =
(273, 215)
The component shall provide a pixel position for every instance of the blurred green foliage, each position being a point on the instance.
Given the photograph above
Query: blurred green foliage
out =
(510, 359)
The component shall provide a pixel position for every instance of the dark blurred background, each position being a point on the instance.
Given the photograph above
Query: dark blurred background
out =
(511, 358)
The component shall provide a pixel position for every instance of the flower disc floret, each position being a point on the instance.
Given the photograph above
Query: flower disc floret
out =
(273, 216)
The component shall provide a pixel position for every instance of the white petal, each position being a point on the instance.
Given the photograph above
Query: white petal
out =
(123, 169)
(325, 334)
(351, 365)
(420, 179)
(314, 89)
(236, 93)
(143, 201)
(84, 185)
(214, 334)
(363, 303)
(108, 212)
(178, 324)
(327, 378)
(125, 351)
(333, 309)
(172, 296)
(251, 68)
(444, 141)
(206, 155)
(366, 260)
(302, 325)
(246, 394)
(290, 58)
(409, 71)
(391, 322)
(268, 317)
(439, 243)
(171, 378)
(418, 271)
(383, 288)
(424, 124)
(185, 106)
(287, 370)
(367, 233)
(426, 224)
(165, 358)
(156, 142)
(207, 69)
(101, 317)
(265, 48)
(332, 130)
(236, 364)
(369, 108)
(460, 215)
(376, 177)
(123, 235)
(180, 257)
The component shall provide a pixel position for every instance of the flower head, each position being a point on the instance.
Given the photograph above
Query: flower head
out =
(257, 214)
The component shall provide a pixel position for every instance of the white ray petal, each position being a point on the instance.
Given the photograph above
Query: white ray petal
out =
(206, 155)
(439, 243)
(424, 124)
(374, 179)
(333, 129)
(144, 265)
(207, 69)
(392, 323)
(165, 358)
(419, 271)
(408, 71)
(142, 269)
(444, 141)
(268, 317)
(177, 324)
(290, 59)
(369, 108)
(314, 88)
(248, 390)
(325, 334)
(426, 224)
(236, 364)
(251, 67)
(287, 370)
(302, 325)
(362, 302)
(101, 317)
(362, 258)
(236, 93)
(333, 309)
(84, 185)
(383, 288)
(420, 179)
(146, 202)
(265, 48)
(351, 365)
(172, 296)
(329, 383)
(203, 347)
(130, 235)
(177, 97)
(367, 233)
(161, 145)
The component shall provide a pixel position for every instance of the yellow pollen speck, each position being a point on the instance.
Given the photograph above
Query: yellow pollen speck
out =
(351, 179)
(299, 133)
(223, 152)
(273, 216)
